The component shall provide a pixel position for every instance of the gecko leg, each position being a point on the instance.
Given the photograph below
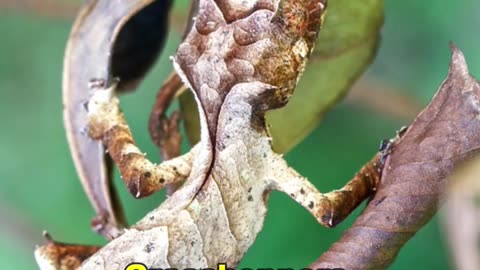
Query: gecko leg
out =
(328, 208)
(142, 177)
(164, 130)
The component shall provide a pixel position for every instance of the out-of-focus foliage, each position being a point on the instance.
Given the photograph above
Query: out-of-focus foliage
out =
(40, 189)
(463, 207)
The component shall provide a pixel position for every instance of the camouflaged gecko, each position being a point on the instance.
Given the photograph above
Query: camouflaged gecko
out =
(240, 59)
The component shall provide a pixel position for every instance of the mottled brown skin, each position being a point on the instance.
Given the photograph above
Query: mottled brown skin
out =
(241, 58)
(276, 63)
(66, 256)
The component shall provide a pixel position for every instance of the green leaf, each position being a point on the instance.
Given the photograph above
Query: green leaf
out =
(346, 46)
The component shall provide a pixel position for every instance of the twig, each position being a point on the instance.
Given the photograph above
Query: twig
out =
(383, 99)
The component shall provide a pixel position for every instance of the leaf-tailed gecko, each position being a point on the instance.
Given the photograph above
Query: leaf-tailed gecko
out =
(240, 59)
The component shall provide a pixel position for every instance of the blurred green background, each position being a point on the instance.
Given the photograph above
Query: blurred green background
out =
(40, 189)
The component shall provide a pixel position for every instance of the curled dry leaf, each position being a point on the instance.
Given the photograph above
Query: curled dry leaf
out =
(442, 136)
(110, 39)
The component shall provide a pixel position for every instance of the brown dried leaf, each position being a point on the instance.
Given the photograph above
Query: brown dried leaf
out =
(415, 178)
(123, 45)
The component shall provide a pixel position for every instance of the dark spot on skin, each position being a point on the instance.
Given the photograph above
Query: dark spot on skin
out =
(147, 175)
(264, 155)
(133, 188)
(149, 247)
(384, 144)
(302, 191)
(379, 201)
(85, 105)
(96, 83)
(81, 257)
(250, 189)
(310, 205)
(229, 119)
(335, 220)
(192, 243)
(152, 218)
(250, 198)
(228, 136)
(162, 180)
(201, 196)
(326, 219)
(292, 195)
(175, 169)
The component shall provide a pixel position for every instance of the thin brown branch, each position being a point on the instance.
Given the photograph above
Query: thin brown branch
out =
(383, 99)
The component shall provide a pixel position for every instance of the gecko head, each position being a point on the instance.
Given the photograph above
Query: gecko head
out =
(264, 41)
